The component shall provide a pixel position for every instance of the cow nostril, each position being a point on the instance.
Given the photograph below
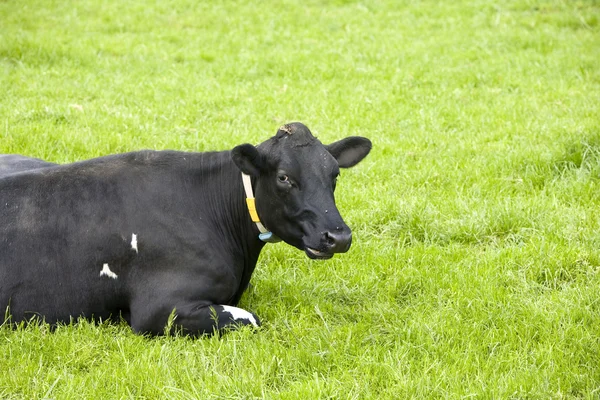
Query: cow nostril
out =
(329, 239)
(337, 242)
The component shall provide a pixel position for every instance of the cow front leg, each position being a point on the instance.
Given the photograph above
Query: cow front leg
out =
(196, 321)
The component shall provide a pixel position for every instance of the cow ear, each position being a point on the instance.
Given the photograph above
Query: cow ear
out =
(350, 151)
(248, 159)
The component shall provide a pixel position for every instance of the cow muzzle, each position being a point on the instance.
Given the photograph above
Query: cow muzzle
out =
(331, 243)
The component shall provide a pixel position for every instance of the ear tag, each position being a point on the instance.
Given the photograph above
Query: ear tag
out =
(268, 237)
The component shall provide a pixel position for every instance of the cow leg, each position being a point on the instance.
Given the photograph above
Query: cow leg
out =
(215, 318)
(199, 320)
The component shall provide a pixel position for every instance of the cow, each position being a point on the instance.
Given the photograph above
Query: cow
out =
(163, 238)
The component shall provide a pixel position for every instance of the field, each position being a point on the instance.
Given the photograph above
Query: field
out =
(475, 267)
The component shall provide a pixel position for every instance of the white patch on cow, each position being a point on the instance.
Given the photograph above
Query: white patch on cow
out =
(107, 272)
(134, 242)
(238, 313)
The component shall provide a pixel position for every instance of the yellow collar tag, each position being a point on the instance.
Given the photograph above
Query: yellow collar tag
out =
(252, 209)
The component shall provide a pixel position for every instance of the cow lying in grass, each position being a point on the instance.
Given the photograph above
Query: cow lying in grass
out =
(150, 233)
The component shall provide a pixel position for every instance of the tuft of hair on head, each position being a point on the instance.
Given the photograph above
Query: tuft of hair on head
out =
(284, 130)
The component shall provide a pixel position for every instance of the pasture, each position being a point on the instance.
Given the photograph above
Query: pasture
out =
(475, 266)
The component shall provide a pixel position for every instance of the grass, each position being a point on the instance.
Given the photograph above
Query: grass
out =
(475, 271)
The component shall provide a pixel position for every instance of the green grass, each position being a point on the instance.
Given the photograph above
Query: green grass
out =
(475, 270)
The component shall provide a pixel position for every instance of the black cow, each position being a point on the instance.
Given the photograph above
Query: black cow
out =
(153, 234)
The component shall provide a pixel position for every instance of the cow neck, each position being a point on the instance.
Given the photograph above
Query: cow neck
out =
(265, 235)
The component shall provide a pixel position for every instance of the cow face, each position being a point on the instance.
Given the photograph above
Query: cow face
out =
(295, 177)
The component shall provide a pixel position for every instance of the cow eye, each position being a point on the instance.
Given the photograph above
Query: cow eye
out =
(283, 178)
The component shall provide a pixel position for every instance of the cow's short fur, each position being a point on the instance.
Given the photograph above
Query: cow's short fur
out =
(153, 234)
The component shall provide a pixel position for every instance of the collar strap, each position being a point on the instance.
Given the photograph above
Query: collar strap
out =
(265, 235)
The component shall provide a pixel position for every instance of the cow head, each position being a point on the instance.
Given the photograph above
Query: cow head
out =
(295, 177)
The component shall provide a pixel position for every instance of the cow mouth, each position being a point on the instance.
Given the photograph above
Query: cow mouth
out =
(316, 254)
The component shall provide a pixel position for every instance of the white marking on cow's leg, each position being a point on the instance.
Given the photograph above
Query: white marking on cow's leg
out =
(238, 313)
(134, 242)
(106, 271)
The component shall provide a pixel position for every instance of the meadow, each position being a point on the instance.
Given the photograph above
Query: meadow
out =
(475, 266)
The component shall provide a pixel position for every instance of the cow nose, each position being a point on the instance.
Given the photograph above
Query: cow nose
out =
(338, 242)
